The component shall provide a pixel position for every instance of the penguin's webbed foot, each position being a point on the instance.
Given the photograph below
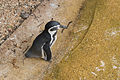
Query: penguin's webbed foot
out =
(45, 58)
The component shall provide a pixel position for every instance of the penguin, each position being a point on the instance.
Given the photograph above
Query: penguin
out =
(41, 47)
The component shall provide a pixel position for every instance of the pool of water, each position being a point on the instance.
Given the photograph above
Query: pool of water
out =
(95, 52)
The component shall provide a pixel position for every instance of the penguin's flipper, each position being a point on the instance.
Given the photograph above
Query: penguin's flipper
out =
(47, 50)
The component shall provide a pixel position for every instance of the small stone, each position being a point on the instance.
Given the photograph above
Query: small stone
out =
(24, 15)
(114, 67)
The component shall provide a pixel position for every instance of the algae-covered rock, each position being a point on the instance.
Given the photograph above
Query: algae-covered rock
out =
(97, 54)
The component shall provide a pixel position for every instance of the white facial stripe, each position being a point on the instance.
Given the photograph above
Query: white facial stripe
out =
(54, 28)
(58, 26)
(54, 41)
(52, 33)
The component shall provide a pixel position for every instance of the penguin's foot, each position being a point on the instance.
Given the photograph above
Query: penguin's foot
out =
(50, 60)
(45, 58)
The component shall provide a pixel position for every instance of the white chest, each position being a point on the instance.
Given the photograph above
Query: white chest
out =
(53, 35)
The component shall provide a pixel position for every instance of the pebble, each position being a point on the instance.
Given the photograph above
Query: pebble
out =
(24, 15)
(12, 11)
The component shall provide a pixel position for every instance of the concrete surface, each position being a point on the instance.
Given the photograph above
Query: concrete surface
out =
(12, 50)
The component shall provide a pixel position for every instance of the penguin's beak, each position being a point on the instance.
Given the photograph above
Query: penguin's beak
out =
(62, 26)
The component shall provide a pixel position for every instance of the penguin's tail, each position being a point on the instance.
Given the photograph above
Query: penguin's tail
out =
(27, 54)
(30, 54)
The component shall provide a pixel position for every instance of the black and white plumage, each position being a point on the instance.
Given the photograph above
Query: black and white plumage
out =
(41, 46)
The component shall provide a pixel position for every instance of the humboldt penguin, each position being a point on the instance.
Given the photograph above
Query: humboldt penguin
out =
(41, 47)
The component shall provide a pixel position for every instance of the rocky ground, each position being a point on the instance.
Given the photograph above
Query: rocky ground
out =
(13, 66)
(13, 13)
(88, 50)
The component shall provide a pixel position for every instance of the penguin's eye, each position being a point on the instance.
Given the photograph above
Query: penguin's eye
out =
(54, 29)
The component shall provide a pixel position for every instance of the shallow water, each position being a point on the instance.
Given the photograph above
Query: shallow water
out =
(96, 45)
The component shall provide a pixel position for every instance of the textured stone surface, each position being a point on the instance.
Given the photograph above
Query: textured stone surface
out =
(10, 11)
(12, 50)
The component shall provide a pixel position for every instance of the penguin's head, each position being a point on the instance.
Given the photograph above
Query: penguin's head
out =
(54, 26)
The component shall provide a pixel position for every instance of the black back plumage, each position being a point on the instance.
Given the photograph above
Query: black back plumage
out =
(35, 50)
(43, 42)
